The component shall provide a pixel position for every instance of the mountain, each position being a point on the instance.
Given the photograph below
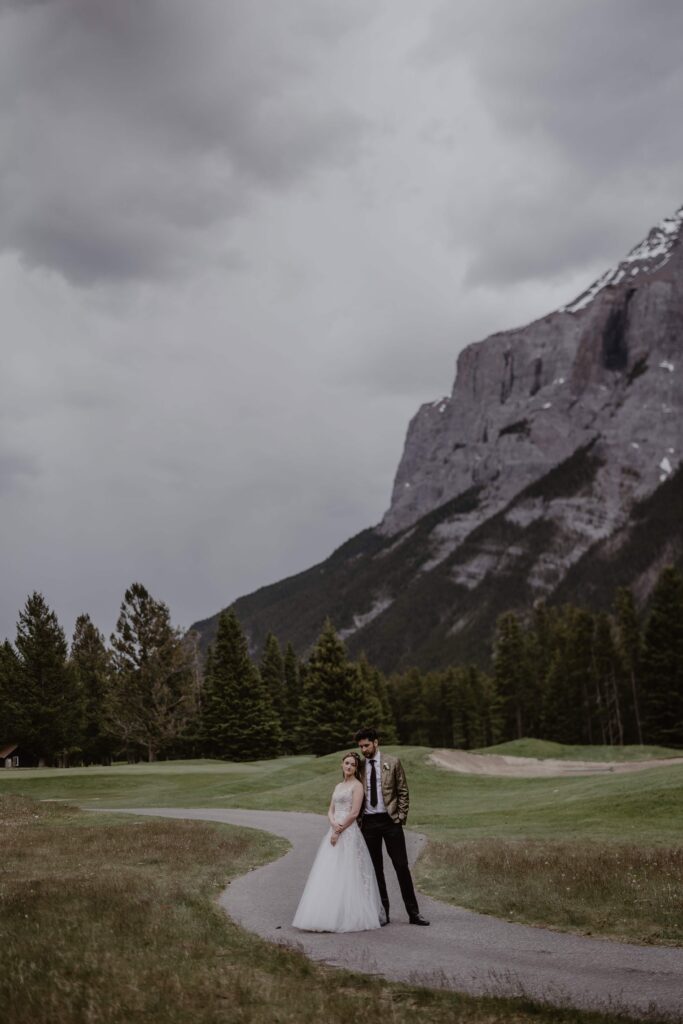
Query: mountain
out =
(553, 471)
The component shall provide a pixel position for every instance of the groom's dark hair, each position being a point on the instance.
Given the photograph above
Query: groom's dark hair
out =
(366, 734)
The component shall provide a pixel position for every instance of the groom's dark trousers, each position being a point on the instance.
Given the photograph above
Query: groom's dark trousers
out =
(378, 827)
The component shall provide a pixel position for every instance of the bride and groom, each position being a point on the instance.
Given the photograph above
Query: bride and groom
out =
(346, 890)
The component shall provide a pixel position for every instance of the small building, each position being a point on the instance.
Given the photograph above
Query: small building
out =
(12, 755)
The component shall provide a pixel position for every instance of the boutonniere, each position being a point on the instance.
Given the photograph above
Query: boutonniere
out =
(386, 767)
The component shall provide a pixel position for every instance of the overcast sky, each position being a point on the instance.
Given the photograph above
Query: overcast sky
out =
(241, 242)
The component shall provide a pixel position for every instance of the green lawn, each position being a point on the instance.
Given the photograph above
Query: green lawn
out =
(643, 806)
(498, 845)
(113, 920)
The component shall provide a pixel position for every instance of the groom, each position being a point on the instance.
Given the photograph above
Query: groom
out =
(384, 814)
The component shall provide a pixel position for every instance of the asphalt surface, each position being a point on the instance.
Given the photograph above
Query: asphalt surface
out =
(461, 950)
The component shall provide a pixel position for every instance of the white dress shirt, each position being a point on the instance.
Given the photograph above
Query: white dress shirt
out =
(380, 808)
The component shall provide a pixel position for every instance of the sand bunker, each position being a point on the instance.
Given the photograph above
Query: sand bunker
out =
(533, 767)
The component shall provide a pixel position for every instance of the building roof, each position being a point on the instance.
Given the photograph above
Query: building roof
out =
(8, 749)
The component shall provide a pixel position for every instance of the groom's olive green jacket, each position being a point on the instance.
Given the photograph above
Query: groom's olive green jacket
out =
(394, 788)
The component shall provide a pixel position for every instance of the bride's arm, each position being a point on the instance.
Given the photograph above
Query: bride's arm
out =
(330, 811)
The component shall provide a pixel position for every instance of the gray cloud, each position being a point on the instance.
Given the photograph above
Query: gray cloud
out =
(14, 469)
(578, 103)
(136, 131)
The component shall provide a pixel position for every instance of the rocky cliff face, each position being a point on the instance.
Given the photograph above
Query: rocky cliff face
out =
(602, 369)
(557, 452)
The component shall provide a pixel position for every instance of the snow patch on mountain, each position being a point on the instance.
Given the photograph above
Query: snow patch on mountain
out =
(649, 255)
(380, 605)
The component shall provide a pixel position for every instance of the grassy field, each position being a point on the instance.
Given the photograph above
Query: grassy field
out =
(563, 752)
(112, 920)
(598, 854)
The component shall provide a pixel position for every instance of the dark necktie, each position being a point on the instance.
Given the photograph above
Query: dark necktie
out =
(373, 784)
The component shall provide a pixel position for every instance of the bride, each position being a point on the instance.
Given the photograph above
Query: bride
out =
(341, 893)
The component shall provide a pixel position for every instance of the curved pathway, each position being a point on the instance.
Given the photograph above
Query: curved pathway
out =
(461, 950)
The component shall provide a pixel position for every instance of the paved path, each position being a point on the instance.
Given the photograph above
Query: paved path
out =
(461, 950)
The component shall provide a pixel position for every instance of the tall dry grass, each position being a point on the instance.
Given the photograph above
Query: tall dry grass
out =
(623, 891)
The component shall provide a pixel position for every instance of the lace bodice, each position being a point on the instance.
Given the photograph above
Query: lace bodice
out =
(342, 799)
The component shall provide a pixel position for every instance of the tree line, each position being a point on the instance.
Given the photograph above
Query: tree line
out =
(148, 694)
(559, 673)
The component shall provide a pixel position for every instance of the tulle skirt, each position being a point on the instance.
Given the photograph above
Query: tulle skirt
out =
(341, 893)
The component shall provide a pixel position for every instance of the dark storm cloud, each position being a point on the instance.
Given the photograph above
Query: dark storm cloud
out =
(589, 95)
(136, 130)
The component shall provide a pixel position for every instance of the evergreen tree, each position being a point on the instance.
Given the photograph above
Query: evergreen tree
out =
(387, 726)
(330, 689)
(292, 702)
(569, 707)
(541, 643)
(630, 646)
(47, 705)
(239, 721)
(662, 663)
(373, 702)
(607, 675)
(91, 662)
(411, 714)
(513, 677)
(9, 690)
(272, 669)
(474, 708)
(152, 695)
(303, 739)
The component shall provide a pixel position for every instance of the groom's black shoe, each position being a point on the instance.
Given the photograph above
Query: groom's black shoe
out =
(385, 921)
(418, 919)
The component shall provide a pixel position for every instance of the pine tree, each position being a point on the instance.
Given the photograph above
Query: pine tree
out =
(541, 642)
(662, 663)
(9, 690)
(292, 702)
(371, 710)
(473, 708)
(272, 669)
(411, 714)
(512, 675)
(91, 662)
(152, 695)
(630, 646)
(48, 702)
(607, 675)
(569, 705)
(330, 687)
(239, 720)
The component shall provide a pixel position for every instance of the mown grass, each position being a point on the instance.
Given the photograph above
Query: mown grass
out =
(589, 815)
(112, 920)
(566, 752)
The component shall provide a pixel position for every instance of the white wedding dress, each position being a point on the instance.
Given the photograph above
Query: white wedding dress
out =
(341, 893)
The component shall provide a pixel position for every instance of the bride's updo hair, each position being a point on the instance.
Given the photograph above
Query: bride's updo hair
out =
(356, 757)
